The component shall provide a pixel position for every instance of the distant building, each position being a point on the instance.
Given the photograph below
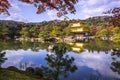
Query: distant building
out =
(79, 31)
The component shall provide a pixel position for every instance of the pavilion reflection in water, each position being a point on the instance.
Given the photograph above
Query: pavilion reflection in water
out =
(78, 47)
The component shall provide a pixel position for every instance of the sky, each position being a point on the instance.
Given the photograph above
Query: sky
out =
(84, 9)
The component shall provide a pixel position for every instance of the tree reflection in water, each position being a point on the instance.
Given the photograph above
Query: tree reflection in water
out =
(2, 58)
(59, 64)
(115, 65)
(24, 66)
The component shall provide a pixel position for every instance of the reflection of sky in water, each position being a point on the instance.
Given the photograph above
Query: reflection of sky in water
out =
(97, 63)
(21, 56)
(90, 65)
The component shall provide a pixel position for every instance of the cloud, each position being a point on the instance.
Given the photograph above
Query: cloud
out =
(15, 5)
(15, 12)
(15, 57)
(16, 17)
(84, 9)
(99, 62)
(53, 15)
(88, 8)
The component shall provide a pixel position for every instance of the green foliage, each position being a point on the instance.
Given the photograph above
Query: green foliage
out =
(56, 32)
(67, 32)
(45, 34)
(116, 33)
(14, 29)
(98, 22)
(45, 29)
(13, 75)
(24, 32)
(116, 38)
(98, 34)
(41, 35)
(116, 30)
(58, 64)
(101, 45)
(103, 33)
(34, 31)
(63, 24)
(106, 32)
(3, 30)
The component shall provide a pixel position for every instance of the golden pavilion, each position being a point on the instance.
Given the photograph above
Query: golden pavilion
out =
(79, 31)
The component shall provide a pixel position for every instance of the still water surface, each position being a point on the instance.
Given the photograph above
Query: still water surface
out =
(93, 59)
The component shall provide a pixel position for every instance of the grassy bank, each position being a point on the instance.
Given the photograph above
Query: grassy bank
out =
(6, 74)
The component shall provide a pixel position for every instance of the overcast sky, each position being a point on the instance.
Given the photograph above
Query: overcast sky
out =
(84, 9)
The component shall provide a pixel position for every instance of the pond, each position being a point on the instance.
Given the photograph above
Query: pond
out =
(82, 60)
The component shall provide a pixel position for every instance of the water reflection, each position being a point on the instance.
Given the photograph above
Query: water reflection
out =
(95, 60)
(2, 58)
(115, 65)
(78, 47)
(90, 45)
(59, 64)
(24, 66)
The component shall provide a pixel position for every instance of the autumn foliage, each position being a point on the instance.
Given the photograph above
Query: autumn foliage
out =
(4, 6)
(114, 18)
(62, 6)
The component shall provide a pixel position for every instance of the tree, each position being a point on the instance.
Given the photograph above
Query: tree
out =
(94, 30)
(62, 6)
(3, 31)
(67, 31)
(24, 32)
(4, 6)
(44, 34)
(56, 31)
(63, 24)
(103, 33)
(34, 31)
(116, 33)
(116, 30)
(114, 19)
(116, 38)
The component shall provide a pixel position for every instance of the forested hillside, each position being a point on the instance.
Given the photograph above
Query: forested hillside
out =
(56, 28)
